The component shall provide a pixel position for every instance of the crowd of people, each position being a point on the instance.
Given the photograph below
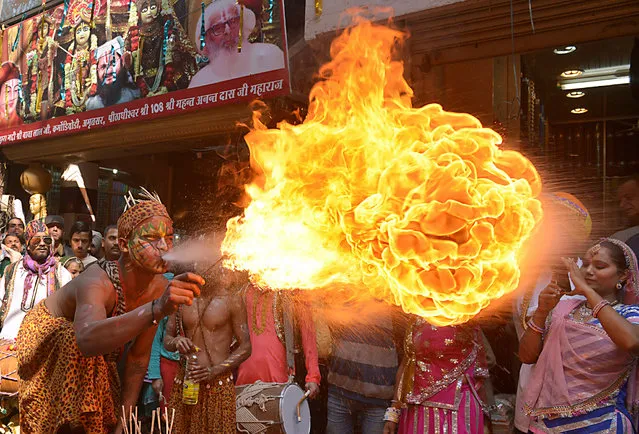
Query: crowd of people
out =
(101, 326)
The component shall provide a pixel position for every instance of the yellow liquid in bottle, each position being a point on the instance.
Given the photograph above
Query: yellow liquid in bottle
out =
(190, 392)
(190, 389)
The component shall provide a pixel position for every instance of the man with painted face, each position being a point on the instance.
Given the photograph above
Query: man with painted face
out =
(68, 346)
(29, 281)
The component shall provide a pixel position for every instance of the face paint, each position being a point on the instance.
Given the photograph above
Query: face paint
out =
(149, 242)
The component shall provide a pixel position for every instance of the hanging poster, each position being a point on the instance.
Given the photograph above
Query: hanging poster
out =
(94, 63)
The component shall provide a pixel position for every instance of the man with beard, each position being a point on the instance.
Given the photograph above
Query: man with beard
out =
(29, 281)
(68, 345)
(222, 37)
(115, 85)
(16, 225)
(110, 243)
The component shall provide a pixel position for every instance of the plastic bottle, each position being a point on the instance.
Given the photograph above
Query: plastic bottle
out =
(191, 389)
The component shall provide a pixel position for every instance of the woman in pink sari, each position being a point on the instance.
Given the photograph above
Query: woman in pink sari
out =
(584, 379)
(440, 381)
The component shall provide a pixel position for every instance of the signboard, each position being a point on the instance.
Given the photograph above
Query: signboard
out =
(96, 63)
(334, 17)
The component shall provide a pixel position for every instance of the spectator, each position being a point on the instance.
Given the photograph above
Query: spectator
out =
(55, 223)
(16, 225)
(31, 280)
(13, 241)
(96, 245)
(81, 241)
(7, 256)
(73, 265)
(628, 195)
(110, 243)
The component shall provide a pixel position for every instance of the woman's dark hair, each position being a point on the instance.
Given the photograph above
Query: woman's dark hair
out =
(616, 254)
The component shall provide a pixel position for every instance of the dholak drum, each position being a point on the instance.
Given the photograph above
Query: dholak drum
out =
(8, 369)
(268, 408)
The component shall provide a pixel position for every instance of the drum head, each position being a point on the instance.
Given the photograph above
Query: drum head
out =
(291, 395)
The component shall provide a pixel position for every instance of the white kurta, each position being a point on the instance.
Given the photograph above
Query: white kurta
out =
(37, 293)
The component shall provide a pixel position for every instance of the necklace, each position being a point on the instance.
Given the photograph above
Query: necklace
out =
(584, 314)
(259, 298)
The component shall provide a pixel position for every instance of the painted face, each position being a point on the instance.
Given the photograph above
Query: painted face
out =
(9, 93)
(110, 245)
(34, 205)
(223, 30)
(82, 35)
(107, 64)
(600, 271)
(149, 242)
(44, 30)
(74, 268)
(149, 12)
(16, 225)
(13, 242)
(40, 246)
(80, 243)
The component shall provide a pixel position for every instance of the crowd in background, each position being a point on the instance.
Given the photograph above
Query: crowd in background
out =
(382, 371)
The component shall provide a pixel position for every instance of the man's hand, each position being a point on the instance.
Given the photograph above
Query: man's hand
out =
(199, 373)
(390, 427)
(313, 388)
(157, 386)
(180, 290)
(184, 345)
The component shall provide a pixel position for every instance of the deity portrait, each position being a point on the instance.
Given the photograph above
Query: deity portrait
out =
(114, 83)
(162, 57)
(10, 90)
(228, 59)
(40, 89)
(79, 79)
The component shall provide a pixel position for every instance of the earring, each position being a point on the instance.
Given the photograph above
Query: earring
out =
(619, 285)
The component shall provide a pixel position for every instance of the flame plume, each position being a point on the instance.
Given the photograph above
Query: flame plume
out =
(418, 206)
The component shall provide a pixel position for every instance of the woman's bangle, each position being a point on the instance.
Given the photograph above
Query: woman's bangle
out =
(534, 327)
(598, 307)
(392, 414)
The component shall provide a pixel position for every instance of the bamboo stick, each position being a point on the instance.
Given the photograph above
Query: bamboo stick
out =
(152, 421)
(172, 419)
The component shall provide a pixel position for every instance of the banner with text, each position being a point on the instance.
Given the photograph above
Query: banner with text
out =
(95, 63)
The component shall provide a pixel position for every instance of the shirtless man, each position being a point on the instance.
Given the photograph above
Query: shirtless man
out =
(203, 333)
(222, 38)
(68, 345)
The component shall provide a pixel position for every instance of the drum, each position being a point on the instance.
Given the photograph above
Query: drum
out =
(8, 369)
(269, 408)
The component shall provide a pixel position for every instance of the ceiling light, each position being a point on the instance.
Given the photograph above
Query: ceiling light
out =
(115, 171)
(587, 84)
(575, 94)
(571, 73)
(565, 50)
(579, 110)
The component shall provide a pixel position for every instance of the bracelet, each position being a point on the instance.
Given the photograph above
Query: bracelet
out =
(598, 307)
(392, 414)
(534, 327)
(153, 320)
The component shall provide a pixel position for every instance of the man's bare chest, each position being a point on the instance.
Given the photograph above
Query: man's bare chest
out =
(210, 314)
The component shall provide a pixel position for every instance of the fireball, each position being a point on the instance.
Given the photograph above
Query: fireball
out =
(417, 206)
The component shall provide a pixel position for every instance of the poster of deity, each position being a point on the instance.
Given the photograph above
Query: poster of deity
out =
(133, 59)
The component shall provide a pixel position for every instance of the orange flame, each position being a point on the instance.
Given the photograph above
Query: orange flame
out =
(418, 206)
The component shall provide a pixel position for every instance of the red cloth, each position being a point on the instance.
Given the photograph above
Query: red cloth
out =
(268, 356)
(168, 371)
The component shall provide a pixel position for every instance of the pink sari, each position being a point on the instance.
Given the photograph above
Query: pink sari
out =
(442, 380)
(578, 371)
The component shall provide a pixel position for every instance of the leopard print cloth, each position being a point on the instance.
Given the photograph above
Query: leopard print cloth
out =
(214, 412)
(60, 388)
